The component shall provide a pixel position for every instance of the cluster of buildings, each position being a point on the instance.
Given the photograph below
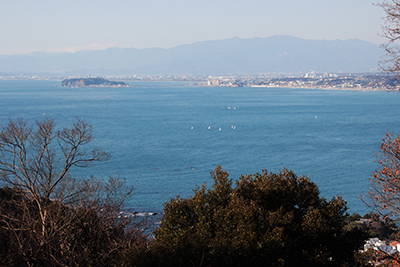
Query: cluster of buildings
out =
(312, 80)
(381, 253)
(376, 244)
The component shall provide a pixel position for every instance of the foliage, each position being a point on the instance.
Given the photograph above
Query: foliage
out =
(263, 220)
(384, 192)
(48, 218)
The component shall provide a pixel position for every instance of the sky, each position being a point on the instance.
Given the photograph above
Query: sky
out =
(73, 25)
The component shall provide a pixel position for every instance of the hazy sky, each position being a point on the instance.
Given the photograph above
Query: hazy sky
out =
(71, 25)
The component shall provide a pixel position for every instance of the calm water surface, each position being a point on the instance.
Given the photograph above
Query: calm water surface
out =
(165, 138)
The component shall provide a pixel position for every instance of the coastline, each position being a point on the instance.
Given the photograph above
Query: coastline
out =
(331, 88)
(345, 86)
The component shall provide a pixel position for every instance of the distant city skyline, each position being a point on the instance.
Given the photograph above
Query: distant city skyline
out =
(70, 26)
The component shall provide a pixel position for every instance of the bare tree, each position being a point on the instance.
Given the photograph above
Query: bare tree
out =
(391, 31)
(57, 219)
(29, 160)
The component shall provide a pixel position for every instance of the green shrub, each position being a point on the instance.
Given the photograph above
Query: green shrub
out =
(262, 220)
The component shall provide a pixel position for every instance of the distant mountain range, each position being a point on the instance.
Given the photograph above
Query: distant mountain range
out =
(280, 54)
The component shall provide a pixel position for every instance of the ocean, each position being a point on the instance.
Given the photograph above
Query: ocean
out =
(166, 138)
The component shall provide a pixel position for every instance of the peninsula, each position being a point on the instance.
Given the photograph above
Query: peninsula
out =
(92, 82)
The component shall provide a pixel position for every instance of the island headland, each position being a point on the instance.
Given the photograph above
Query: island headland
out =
(92, 82)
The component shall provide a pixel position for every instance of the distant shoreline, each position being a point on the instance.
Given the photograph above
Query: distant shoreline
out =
(352, 82)
(330, 88)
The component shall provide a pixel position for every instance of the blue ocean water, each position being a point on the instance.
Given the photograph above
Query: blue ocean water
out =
(165, 138)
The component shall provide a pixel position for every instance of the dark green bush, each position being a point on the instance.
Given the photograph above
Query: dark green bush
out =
(263, 219)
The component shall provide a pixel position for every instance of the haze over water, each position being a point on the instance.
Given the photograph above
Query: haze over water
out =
(166, 138)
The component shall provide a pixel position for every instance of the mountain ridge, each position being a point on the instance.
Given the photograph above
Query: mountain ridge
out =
(274, 54)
